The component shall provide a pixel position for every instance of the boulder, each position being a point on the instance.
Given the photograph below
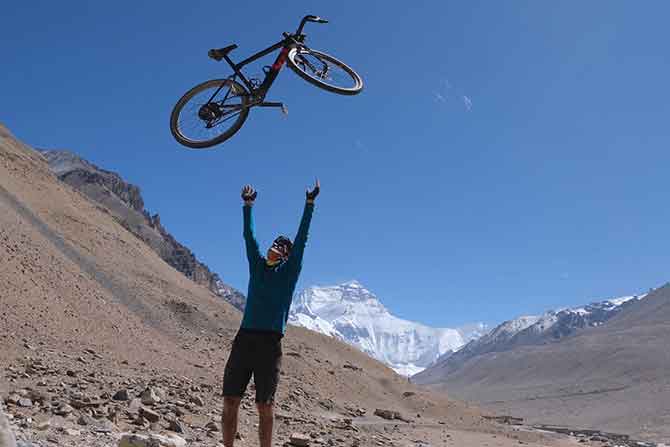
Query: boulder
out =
(149, 397)
(299, 439)
(386, 414)
(152, 440)
(121, 395)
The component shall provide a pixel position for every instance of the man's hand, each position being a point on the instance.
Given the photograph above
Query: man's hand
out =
(311, 195)
(249, 195)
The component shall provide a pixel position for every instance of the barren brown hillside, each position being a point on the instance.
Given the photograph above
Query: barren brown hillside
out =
(87, 310)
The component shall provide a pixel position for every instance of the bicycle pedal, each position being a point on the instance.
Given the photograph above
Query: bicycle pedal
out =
(284, 110)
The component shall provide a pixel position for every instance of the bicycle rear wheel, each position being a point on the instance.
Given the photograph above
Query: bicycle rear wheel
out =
(210, 113)
(324, 71)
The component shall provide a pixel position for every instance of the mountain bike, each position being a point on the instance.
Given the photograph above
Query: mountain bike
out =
(213, 111)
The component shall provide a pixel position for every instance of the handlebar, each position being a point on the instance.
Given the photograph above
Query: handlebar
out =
(309, 18)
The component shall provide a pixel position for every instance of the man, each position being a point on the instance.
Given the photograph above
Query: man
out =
(257, 346)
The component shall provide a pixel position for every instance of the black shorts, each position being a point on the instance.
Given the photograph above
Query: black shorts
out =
(258, 353)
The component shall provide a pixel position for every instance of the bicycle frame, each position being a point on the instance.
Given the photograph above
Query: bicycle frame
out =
(258, 93)
(271, 74)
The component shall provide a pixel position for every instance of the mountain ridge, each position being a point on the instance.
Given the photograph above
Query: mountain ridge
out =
(552, 326)
(125, 201)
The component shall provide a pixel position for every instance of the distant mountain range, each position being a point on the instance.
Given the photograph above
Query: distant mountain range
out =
(549, 327)
(602, 365)
(354, 314)
(125, 202)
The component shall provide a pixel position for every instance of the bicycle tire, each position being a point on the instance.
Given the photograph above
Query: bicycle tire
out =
(358, 81)
(232, 130)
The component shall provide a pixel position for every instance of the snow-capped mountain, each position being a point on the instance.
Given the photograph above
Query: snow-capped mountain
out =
(549, 327)
(355, 315)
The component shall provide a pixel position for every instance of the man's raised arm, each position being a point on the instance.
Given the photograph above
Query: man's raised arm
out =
(253, 252)
(301, 237)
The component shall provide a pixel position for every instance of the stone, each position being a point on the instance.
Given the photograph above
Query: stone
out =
(25, 402)
(176, 426)
(121, 395)
(299, 439)
(149, 397)
(134, 406)
(13, 399)
(152, 440)
(149, 415)
(212, 426)
(63, 409)
(140, 421)
(71, 432)
(197, 400)
(45, 425)
(85, 420)
(386, 414)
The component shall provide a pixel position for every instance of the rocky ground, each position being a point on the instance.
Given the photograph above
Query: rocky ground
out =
(87, 399)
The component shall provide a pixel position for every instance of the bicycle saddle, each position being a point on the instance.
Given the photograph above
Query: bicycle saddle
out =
(219, 53)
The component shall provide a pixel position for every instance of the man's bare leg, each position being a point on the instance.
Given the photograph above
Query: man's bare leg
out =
(231, 408)
(266, 416)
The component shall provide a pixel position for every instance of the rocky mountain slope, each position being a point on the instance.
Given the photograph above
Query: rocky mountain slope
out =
(355, 315)
(125, 202)
(612, 374)
(552, 326)
(101, 336)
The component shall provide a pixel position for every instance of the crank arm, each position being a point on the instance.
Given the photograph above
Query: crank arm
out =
(284, 109)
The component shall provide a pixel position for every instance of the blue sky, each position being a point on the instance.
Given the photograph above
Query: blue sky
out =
(504, 157)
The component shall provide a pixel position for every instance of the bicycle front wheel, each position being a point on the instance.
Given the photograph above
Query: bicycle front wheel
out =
(210, 113)
(324, 71)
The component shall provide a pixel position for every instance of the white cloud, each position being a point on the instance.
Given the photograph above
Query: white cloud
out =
(439, 97)
(447, 91)
(467, 102)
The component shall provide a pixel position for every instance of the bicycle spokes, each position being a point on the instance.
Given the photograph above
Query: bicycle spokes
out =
(208, 110)
(316, 66)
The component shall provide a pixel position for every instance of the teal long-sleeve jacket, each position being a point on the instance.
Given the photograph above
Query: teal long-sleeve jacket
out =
(271, 287)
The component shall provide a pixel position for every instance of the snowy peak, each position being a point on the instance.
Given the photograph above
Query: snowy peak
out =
(332, 302)
(591, 314)
(354, 314)
(509, 328)
(353, 284)
(564, 322)
(551, 326)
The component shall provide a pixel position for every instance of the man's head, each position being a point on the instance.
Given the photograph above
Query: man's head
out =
(280, 250)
